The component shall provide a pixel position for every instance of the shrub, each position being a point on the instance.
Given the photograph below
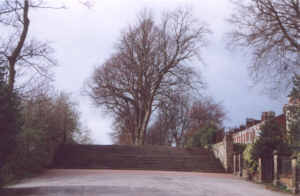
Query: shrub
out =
(250, 163)
(10, 121)
(272, 137)
(49, 121)
(204, 137)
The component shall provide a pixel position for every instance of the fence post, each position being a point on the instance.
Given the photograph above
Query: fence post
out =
(260, 170)
(294, 174)
(234, 164)
(276, 174)
(240, 164)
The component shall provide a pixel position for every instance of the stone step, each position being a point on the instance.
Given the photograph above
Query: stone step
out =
(136, 157)
(134, 149)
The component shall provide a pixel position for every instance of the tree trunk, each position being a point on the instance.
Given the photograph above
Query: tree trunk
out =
(133, 136)
(144, 125)
(16, 53)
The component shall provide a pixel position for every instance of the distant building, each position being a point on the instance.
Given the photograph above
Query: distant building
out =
(251, 131)
(248, 133)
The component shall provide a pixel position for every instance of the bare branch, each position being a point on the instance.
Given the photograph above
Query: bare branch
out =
(17, 51)
(270, 29)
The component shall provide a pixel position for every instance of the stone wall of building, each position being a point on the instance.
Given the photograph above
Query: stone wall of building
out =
(224, 152)
(220, 152)
(292, 112)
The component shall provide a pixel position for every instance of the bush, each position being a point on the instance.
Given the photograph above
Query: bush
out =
(251, 164)
(49, 121)
(272, 137)
(10, 121)
(204, 137)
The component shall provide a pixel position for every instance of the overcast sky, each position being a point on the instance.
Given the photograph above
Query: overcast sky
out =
(84, 38)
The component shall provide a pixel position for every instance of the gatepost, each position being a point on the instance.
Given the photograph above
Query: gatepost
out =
(276, 174)
(260, 170)
(294, 174)
(240, 164)
(234, 164)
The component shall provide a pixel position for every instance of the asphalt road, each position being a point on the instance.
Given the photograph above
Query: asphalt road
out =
(135, 183)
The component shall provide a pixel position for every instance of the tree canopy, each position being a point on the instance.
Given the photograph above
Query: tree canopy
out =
(151, 58)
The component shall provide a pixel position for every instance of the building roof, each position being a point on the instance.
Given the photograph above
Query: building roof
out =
(280, 120)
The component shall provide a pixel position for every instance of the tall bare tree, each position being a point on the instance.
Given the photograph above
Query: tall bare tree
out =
(151, 57)
(271, 30)
(16, 51)
(158, 133)
(206, 111)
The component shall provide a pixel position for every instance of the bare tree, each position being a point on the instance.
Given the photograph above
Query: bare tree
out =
(205, 112)
(180, 118)
(16, 50)
(151, 57)
(55, 115)
(124, 126)
(271, 30)
(174, 114)
(163, 129)
(158, 134)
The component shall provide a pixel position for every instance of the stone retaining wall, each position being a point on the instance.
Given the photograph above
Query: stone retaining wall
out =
(224, 152)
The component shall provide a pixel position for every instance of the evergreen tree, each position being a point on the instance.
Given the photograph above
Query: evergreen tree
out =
(205, 136)
(272, 137)
(9, 119)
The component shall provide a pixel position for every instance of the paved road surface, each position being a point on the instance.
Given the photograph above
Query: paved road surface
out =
(135, 183)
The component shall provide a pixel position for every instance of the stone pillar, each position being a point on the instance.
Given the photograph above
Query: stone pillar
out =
(276, 164)
(260, 172)
(294, 174)
(234, 164)
(240, 164)
(228, 143)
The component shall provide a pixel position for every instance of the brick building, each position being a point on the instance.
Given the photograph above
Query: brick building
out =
(247, 134)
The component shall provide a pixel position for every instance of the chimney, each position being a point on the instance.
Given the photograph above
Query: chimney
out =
(250, 122)
(267, 115)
